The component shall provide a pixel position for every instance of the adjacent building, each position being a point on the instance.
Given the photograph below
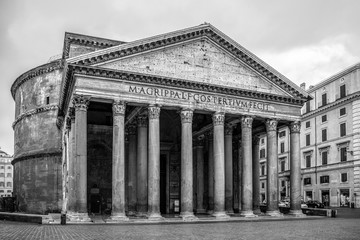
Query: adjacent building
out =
(6, 175)
(159, 125)
(330, 140)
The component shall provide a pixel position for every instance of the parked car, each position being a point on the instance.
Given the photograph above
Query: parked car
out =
(314, 204)
(303, 205)
(284, 204)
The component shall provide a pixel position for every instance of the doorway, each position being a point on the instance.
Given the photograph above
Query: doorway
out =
(325, 197)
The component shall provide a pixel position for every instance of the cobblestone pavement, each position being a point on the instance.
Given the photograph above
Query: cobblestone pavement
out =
(326, 228)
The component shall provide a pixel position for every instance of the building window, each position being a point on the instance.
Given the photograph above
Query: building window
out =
(2, 184)
(324, 157)
(308, 161)
(262, 153)
(1, 191)
(324, 99)
(308, 106)
(283, 183)
(262, 141)
(262, 169)
(282, 166)
(282, 134)
(343, 154)
(342, 91)
(307, 124)
(8, 184)
(344, 177)
(262, 185)
(8, 175)
(307, 181)
(1, 167)
(342, 111)
(342, 129)
(324, 179)
(323, 118)
(2, 174)
(307, 140)
(9, 191)
(47, 100)
(282, 147)
(324, 135)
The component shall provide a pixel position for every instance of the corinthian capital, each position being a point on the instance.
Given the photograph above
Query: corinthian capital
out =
(186, 116)
(218, 118)
(142, 121)
(154, 112)
(229, 129)
(295, 127)
(81, 102)
(271, 125)
(246, 122)
(119, 108)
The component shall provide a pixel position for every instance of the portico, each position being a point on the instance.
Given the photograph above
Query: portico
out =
(166, 110)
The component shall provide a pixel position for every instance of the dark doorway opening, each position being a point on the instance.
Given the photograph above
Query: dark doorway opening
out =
(163, 179)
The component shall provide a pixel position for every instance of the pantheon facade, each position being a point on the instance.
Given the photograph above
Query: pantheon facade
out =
(163, 125)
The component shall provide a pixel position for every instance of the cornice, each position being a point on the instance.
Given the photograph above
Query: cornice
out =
(332, 105)
(334, 77)
(45, 68)
(202, 31)
(35, 111)
(86, 40)
(53, 153)
(161, 81)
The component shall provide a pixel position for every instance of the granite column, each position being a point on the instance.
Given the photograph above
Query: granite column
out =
(256, 175)
(132, 170)
(229, 206)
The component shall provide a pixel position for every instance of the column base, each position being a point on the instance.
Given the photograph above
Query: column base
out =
(200, 211)
(210, 212)
(155, 217)
(220, 215)
(275, 213)
(258, 212)
(230, 212)
(132, 213)
(78, 217)
(141, 214)
(297, 213)
(247, 214)
(118, 218)
(188, 216)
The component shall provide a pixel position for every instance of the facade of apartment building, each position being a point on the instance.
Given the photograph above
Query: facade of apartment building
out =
(6, 175)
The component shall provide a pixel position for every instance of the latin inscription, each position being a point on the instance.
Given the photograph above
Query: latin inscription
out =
(199, 98)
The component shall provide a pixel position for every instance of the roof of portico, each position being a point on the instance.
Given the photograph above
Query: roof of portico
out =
(86, 64)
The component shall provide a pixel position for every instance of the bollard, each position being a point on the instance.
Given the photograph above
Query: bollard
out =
(63, 219)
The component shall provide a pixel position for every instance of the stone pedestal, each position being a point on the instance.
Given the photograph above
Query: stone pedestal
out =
(219, 166)
(118, 163)
(229, 202)
(80, 104)
(295, 170)
(272, 194)
(132, 170)
(247, 178)
(154, 165)
(142, 166)
(200, 175)
(256, 176)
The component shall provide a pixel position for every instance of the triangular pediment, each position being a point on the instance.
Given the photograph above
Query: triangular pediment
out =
(201, 54)
(197, 61)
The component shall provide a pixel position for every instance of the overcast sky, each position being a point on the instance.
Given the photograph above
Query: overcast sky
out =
(305, 40)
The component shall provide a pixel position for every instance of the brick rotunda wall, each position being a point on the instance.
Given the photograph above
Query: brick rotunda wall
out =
(37, 140)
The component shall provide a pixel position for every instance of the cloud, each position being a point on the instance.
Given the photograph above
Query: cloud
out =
(313, 63)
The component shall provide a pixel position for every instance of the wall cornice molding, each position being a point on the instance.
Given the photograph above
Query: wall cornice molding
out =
(34, 111)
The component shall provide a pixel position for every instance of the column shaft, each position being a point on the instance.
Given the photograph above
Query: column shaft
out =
(229, 206)
(200, 176)
(247, 178)
(186, 165)
(71, 203)
(142, 166)
(211, 173)
(132, 170)
(118, 161)
(219, 166)
(154, 164)
(272, 197)
(295, 170)
(256, 176)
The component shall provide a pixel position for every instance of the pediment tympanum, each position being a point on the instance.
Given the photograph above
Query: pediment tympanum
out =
(199, 61)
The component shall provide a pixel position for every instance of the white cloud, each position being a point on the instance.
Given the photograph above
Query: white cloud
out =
(313, 63)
